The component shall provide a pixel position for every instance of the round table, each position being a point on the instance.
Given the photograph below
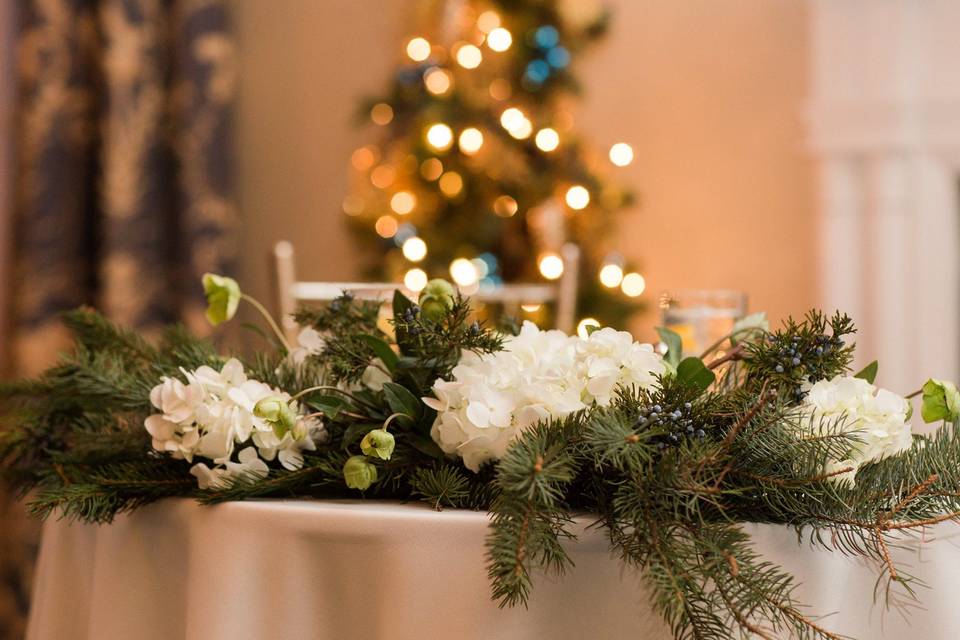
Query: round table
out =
(371, 570)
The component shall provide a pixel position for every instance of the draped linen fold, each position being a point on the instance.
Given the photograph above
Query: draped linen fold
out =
(345, 570)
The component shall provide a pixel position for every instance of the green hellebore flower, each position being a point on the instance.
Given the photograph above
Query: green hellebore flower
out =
(378, 443)
(941, 401)
(436, 299)
(223, 297)
(358, 473)
(277, 413)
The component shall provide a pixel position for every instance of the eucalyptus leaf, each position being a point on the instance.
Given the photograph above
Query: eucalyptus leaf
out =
(674, 345)
(425, 445)
(387, 355)
(869, 372)
(692, 372)
(402, 401)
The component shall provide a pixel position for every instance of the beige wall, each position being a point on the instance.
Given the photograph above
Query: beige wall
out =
(709, 93)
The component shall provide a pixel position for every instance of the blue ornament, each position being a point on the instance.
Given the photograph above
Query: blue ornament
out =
(490, 260)
(558, 57)
(404, 233)
(537, 71)
(546, 36)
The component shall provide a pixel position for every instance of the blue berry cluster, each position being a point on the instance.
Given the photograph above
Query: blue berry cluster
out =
(803, 358)
(677, 423)
(552, 56)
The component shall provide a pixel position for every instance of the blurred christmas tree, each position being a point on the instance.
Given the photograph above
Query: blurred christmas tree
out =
(479, 175)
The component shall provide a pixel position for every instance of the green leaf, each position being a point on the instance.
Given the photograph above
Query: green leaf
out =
(692, 372)
(387, 355)
(674, 345)
(869, 372)
(329, 405)
(425, 445)
(402, 401)
(400, 303)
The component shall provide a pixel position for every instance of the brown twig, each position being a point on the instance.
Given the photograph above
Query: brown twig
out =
(733, 354)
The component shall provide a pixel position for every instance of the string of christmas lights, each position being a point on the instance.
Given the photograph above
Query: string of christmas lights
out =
(479, 174)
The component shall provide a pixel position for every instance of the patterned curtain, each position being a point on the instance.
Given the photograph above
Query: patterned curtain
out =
(123, 181)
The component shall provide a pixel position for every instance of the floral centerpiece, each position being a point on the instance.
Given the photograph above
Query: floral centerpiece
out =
(669, 455)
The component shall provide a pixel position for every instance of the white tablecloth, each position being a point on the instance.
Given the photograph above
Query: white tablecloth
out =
(344, 570)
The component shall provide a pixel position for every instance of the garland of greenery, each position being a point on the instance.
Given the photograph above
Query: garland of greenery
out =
(671, 507)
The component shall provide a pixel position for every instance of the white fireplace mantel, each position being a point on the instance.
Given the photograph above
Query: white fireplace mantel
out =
(884, 118)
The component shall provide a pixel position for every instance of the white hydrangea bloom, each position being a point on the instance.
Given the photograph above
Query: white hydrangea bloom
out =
(537, 375)
(879, 418)
(309, 343)
(212, 413)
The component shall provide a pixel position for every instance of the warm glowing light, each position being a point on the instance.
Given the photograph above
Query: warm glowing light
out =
(547, 139)
(403, 202)
(550, 265)
(577, 197)
(469, 56)
(530, 308)
(621, 154)
(583, 328)
(471, 139)
(414, 249)
(499, 39)
(463, 272)
(500, 89)
(383, 176)
(438, 81)
(511, 118)
(523, 130)
(451, 183)
(633, 284)
(431, 169)
(362, 159)
(488, 21)
(418, 49)
(440, 137)
(353, 205)
(381, 113)
(505, 206)
(386, 226)
(611, 275)
(415, 280)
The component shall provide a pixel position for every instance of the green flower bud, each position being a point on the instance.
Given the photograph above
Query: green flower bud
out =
(378, 443)
(358, 473)
(436, 299)
(941, 401)
(223, 297)
(277, 414)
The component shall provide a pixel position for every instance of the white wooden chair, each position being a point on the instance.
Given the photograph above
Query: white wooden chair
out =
(291, 291)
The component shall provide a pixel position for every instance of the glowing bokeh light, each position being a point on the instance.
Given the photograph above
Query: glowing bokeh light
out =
(418, 49)
(488, 21)
(451, 183)
(499, 39)
(415, 280)
(471, 139)
(577, 197)
(505, 206)
(403, 202)
(438, 81)
(621, 154)
(463, 272)
(431, 169)
(381, 113)
(414, 249)
(633, 284)
(386, 226)
(439, 136)
(547, 139)
(550, 265)
(611, 275)
(469, 56)
(583, 328)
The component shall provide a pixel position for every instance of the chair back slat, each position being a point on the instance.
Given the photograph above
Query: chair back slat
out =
(511, 296)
